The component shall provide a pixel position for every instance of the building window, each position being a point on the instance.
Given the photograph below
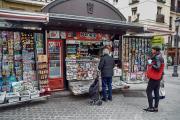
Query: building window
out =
(170, 23)
(115, 2)
(133, 2)
(159, 10)
(134, 11)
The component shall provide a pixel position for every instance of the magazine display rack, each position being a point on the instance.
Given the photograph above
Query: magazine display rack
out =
(81, 73)
(82, 87)
(18, 66)
(82, 67)
(43, 74)
(136, 52)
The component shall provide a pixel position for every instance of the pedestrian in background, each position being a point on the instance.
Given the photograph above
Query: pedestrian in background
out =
(154, 84)
(106, 66)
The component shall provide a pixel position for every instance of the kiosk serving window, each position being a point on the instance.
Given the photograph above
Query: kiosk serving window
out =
(84, 48)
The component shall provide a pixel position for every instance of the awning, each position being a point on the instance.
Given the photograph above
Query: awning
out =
(17, 15)
(93, 20)
(158, 32)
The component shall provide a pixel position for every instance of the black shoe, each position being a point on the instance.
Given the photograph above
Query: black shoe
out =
(148, 110)
(155, 110)
(104, 100)
(109, 99)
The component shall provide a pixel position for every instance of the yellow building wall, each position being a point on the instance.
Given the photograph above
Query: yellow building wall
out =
(19, 6)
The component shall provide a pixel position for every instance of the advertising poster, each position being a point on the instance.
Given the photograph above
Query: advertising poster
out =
(169, 60)
(53, 34)
(157, 41)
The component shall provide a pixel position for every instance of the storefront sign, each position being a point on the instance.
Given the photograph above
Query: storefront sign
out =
(54, 44)
(157, 41)
(87, 36)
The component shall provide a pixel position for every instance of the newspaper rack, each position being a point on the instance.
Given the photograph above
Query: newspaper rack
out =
(27, 100)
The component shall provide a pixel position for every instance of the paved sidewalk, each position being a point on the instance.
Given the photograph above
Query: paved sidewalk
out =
(126, 105)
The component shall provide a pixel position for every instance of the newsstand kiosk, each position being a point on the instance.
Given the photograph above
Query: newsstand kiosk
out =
(77, 32)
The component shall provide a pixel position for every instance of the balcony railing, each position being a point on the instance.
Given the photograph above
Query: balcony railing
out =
(133, 2)
(134, 18)
(173, 8)
(162, 1)
(160, 18)
(178, 9)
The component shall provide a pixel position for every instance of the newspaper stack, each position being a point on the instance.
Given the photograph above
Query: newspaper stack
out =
(12, 97)
(25, 95)
(2, 96)
(34, 93)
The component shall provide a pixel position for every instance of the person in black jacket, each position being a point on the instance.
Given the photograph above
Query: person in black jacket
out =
(154, 84)
(106, 66)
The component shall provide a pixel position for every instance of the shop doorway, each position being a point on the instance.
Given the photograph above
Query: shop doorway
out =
(54, 52)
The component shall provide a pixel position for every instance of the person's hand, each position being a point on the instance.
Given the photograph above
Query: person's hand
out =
(149, 62)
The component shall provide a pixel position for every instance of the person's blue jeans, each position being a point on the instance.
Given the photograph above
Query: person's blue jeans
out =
(107, 81)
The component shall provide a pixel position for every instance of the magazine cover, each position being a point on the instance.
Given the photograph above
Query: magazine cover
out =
(18, 71)
(128, 76)
(17, 41)
(0, 70)
(117, 72)
(124, 74)
(139, 75)
(126, 66)
(0, 53)
(15, 87)
(0, 37)
(18, 57)
(5, 82)
(133, 76)
(135, 68)
(4, 38)
(5, 68)
(90, 74)
(116, 53)
(116, 43)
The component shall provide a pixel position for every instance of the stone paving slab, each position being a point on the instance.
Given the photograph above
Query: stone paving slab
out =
(78, 107)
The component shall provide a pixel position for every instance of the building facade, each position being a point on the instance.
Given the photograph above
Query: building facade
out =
(26, 5)
(174, 13)
(153, 13)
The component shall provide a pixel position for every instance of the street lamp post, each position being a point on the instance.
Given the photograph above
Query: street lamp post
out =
(175, 73)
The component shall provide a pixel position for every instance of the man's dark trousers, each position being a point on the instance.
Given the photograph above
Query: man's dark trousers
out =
(107, 81)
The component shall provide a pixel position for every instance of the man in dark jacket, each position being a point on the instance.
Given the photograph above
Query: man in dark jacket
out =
(106, 66)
